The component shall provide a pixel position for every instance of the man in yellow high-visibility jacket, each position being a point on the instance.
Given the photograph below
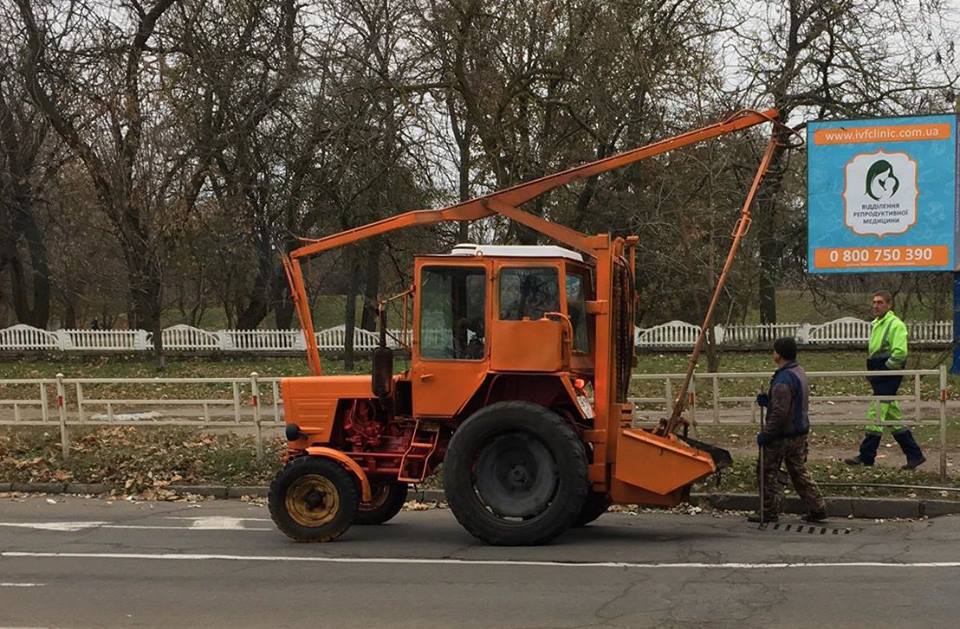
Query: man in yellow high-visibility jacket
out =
(886, 351)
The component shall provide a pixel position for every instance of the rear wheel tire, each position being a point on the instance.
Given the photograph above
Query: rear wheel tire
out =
(386, 502)
(515, 474)
(313, 499)
(594, 506)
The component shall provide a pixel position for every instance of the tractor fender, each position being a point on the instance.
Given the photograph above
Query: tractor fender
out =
(347, 462)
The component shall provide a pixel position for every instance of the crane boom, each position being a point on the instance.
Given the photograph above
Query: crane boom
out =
(504, 203)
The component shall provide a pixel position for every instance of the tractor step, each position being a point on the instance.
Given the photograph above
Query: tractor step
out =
(413, 465)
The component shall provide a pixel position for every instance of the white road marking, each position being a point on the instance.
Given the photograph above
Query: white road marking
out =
(22, 585)
(487, 562)
(69, 527)
(200, 524)
(217, 522)
(183, 528)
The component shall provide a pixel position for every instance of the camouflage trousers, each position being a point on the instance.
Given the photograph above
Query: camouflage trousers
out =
(792, 454)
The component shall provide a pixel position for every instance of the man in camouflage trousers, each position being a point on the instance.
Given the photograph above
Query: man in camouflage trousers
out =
(784, 436)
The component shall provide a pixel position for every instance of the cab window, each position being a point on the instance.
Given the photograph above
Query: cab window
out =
(452, 306)
(528, 292)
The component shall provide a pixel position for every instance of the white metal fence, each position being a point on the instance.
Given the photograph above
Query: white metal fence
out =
(671, 335)
(845, 331)
(254, 403)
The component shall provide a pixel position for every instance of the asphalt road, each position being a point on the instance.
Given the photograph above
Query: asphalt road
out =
(93, 563)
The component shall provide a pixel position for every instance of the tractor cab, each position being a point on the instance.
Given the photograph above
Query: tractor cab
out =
(483, 310)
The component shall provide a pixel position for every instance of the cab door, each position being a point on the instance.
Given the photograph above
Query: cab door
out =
(450, 350)
(525, 338)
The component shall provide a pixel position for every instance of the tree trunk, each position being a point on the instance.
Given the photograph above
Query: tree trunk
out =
(69, 315)
(146, 286)
(371, 285)
(350, 315)
(263, 287)
(36, 277)
(283, 306)
(767, 221)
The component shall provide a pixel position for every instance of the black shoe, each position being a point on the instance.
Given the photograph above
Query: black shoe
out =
(914, 464)
(856, 460)
(770, 517)
(815, 516)
(911, 449)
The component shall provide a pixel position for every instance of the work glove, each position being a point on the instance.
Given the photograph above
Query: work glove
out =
(763, 400)
(762, 439)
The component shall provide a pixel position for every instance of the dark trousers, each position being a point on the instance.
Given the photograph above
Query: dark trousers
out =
(792, 454)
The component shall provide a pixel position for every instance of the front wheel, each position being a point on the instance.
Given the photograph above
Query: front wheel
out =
(515, 473)
(313, 499)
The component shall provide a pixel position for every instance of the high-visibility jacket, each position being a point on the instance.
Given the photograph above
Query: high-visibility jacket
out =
(888, 339)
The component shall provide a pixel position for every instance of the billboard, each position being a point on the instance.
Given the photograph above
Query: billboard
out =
(882, 195)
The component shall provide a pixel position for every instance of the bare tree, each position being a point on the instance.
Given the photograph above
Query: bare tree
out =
(825, 59)
(26, 161)
(87, 69)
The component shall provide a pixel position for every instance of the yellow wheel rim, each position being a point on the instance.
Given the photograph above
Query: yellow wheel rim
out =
(312, 500)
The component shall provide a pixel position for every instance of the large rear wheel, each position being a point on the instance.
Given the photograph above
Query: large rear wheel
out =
(594, 506)
(515, 474)
(313, 499)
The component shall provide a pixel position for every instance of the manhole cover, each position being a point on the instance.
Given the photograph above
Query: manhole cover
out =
(810, 529)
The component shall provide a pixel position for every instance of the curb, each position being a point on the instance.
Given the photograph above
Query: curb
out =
(837, 506)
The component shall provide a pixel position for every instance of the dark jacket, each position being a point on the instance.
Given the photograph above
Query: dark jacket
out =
(789, 413)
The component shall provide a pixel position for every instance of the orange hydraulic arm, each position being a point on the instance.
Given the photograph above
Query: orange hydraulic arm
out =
(505, 203)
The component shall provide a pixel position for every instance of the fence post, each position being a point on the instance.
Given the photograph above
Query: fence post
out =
(943, 422)
(918, 403)
(668, 394)
(44, 403)
(62, 410)
(276, 402)
(716, 399)
(692, 400)
(236, 402)
(255, 391)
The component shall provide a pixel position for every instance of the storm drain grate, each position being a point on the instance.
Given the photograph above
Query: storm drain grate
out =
(809, 529)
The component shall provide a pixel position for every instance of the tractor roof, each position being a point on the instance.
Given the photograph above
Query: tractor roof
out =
(515, 251)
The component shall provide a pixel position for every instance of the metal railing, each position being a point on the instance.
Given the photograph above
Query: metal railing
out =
(254, 403)
(251, 402)
(820, 405)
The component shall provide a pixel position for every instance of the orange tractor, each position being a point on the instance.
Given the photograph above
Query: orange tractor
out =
(520, 366)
